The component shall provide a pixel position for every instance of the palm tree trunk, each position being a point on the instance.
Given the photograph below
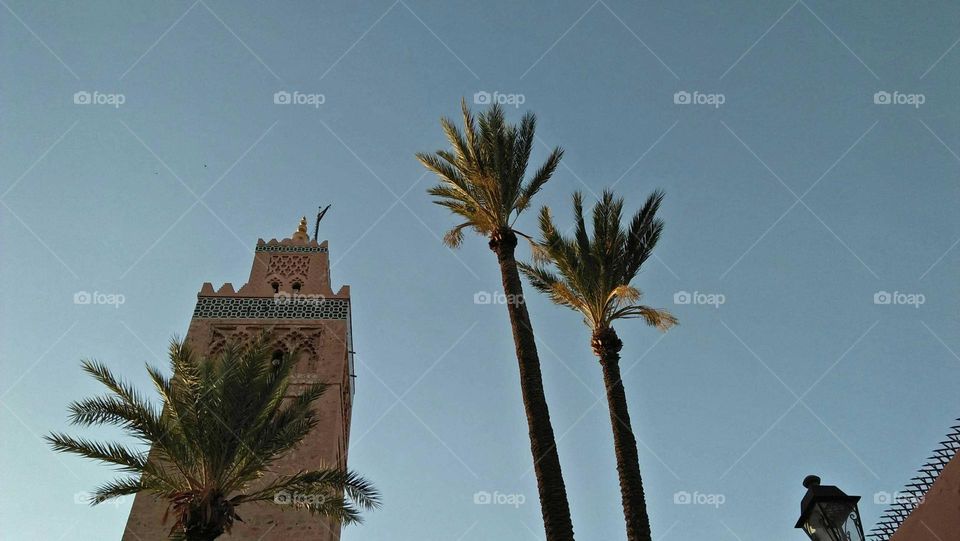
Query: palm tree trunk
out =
(204, 521)
(546, 460)
(607, 346)
(200, 534)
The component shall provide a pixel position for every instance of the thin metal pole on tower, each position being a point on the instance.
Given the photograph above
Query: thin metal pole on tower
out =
(316, 228)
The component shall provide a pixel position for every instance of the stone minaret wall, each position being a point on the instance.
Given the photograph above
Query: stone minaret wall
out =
(288, 292)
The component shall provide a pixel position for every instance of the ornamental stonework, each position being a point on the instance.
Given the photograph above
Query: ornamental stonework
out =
(301, 340)
(289, 265)
(271, 248)
(270, 308)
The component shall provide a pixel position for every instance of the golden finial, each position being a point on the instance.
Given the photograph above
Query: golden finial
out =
(301, 233)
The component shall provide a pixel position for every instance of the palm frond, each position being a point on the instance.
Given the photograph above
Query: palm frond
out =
(539, 178)
(224, 422)
(661, 319)
(482, 175)
(643, 233)
(626, 293)
(332, 492)
(540, 278)
(111, 453)
(454, 237)
(594, 271)
(116, 489)
(539, 253)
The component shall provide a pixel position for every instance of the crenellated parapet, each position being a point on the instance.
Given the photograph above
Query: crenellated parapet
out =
(227, 290)
(291, 246)
(295, 267)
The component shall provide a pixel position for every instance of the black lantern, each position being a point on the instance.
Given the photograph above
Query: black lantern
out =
(827, 514)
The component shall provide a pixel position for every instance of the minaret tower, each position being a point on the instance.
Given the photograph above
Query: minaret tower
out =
(288, 292)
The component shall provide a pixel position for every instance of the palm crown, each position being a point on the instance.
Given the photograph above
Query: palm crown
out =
(482, 177)
(595, 273)
(223, 423)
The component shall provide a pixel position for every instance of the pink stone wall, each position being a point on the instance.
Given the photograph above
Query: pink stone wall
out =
(937, 518)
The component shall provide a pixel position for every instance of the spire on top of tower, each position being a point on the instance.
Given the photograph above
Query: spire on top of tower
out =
(301, 233)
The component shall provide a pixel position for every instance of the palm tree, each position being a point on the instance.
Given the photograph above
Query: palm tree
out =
(482, 181)
(224, 421)
(594, 279)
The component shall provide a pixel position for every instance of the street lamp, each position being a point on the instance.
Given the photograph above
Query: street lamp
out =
(827, 514)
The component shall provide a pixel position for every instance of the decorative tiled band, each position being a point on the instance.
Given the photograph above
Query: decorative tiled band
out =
(274, 248)
(270, 308)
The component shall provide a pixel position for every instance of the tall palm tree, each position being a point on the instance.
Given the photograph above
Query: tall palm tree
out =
(482, 181)
(222, 424)
(594, 279)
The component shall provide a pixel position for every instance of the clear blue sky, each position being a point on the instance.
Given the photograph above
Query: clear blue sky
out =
(797, 200)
